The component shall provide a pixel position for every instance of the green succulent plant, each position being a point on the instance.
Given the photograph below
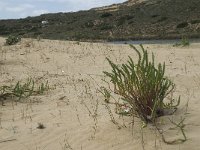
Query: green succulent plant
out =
(143, 85)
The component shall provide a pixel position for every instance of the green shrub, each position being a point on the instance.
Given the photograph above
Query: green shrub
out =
(142, 85)
(106, 14)
(185, 42)
(106, 27)
(11, 40)
(182, 25)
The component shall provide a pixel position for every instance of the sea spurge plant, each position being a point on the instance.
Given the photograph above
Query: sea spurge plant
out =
(142, 84)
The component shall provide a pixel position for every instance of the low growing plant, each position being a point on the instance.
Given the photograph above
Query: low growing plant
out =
(184, 42)
(143, 85)
(23, 89)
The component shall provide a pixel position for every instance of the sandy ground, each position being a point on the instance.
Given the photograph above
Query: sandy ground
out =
(73, 110)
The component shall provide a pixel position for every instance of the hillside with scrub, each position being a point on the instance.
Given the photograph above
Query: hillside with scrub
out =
(133, 19)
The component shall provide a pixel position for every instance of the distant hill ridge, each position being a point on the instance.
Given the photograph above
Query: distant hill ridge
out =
(111, 7)
(133, 19)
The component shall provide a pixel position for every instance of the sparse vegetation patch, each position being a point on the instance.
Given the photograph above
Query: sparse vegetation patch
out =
(22, 90)
(184, 42)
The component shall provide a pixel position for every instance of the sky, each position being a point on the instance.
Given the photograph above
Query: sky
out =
(15, 9)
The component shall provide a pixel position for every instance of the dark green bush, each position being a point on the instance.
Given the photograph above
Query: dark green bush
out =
(106, 14)
(142, 85)
(154, 16)
(122, 20)
(11, 40)
(182, 25)
(106, 27)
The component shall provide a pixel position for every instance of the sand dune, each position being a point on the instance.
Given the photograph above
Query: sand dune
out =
(73, 111)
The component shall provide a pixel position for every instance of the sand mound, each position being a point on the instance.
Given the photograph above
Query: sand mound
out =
(73, 111)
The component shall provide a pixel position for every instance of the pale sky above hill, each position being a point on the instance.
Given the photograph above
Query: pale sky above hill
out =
(11, 9)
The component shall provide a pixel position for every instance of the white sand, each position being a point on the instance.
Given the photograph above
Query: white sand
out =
(73, 111)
